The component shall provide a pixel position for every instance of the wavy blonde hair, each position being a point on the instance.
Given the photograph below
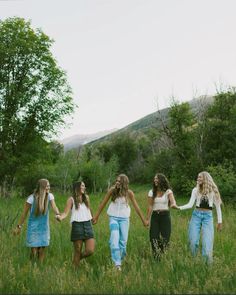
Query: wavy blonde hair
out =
(208, 186)
(41, 197)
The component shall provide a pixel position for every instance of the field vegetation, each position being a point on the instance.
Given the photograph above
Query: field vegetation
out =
(177, 273)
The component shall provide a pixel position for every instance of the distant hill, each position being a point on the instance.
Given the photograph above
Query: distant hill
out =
(152, 120)
(139, 126)
(81, 139)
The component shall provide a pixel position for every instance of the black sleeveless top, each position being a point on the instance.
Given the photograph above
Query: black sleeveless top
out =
(204, 203)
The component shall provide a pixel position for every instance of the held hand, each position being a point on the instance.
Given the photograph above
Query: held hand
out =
(94, 220)
(175, 206)
(58, 217)
(146, 223)
(219, 227)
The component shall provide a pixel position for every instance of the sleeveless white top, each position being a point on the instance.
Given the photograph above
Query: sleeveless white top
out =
(83, 213)
(160, 203)
(119, 208)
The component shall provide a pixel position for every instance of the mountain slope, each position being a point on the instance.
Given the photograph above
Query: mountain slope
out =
(82, 139)
(140, 126)
(153, 119)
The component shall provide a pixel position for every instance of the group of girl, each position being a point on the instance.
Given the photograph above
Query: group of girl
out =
(160, 199)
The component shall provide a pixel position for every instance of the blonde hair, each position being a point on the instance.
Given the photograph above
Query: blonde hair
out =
(208, 185)
(41, 197)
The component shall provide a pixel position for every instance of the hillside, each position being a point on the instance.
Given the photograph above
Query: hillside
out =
(153, 119)
(82, 139)
(138, 127)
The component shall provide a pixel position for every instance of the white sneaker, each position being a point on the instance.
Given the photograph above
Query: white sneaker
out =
(118, 267)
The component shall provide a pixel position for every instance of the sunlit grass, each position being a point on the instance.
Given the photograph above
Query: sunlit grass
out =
(177, 273)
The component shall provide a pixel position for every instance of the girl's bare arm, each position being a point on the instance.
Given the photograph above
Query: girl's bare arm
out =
(67, 209)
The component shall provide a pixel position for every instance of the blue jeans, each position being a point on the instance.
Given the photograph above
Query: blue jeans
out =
(202, 220)
(119, 229)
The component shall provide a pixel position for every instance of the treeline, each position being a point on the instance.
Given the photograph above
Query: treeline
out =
(189, 140)
(35, 98)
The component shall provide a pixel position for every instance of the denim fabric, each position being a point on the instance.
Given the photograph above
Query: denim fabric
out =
(119, 229)
(82, 230)
(38, 231)
(202, 220)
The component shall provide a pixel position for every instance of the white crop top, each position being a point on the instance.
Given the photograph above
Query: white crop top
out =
(119, 208)
(160, 203)
(195, 197)
(83, 213)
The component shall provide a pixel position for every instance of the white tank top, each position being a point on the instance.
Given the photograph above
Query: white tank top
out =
(83, 213)
(160, 203)
(119, 208)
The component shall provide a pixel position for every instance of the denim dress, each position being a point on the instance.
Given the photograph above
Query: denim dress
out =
(38, 232)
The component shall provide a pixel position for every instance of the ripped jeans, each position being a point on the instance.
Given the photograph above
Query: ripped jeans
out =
(119, 229)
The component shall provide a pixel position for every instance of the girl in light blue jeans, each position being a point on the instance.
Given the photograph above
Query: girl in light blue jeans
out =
(119, 213)
(205, 194)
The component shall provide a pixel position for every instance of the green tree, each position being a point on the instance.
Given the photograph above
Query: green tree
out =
(125, 148)
(225, 177)
(65, 170)
(220, 131)
(34, 95)
(180, 129)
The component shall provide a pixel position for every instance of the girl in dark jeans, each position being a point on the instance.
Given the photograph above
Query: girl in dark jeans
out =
(160, 199)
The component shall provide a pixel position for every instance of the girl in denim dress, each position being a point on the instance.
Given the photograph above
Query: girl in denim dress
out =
(38, 231)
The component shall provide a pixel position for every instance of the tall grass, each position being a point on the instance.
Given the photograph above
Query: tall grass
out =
(176, 273)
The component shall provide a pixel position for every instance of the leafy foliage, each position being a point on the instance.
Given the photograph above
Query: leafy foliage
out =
(34, 96)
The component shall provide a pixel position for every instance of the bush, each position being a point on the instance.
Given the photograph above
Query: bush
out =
(225, 178)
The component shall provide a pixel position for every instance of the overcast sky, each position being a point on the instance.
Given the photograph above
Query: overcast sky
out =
(123, 57)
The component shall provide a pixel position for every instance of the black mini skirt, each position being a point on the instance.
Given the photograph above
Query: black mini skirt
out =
(81, 231)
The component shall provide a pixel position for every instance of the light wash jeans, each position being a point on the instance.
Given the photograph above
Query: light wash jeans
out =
(202, 219)
(119, 229)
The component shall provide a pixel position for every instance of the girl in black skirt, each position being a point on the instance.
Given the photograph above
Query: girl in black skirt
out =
(82, 231)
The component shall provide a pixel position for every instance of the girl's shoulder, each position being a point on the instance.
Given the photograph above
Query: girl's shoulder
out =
(50, 197)
(195, 191)
(111, 189)
(70, 199)
(168, 192)
(30, 199)
(130, 193)
(150, 193)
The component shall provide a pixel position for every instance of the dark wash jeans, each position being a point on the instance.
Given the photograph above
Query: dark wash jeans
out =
(160, 231)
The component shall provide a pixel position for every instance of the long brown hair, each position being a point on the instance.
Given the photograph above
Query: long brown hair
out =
(76, 194)
(41, 197)
(163, 184)
(122, 190)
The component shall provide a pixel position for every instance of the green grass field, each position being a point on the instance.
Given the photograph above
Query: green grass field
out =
(177, 273)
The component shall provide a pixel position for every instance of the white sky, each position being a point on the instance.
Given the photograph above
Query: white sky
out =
(121, 55)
